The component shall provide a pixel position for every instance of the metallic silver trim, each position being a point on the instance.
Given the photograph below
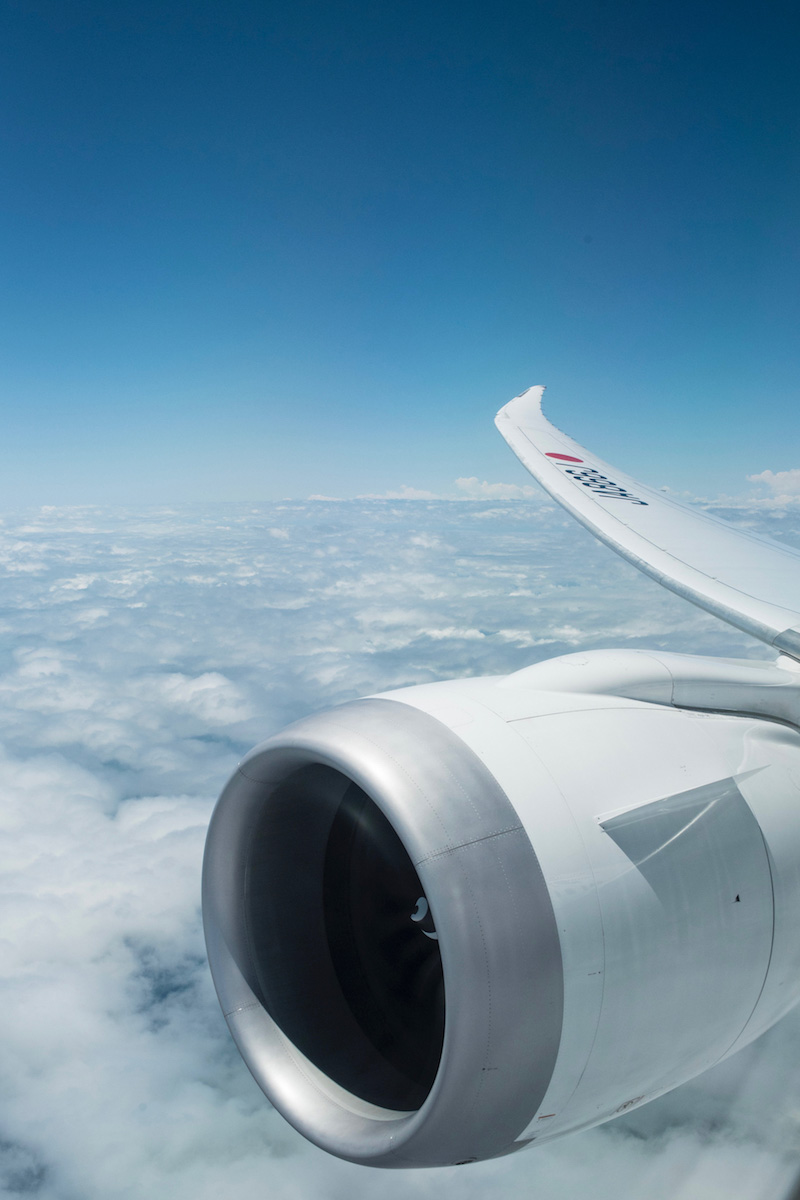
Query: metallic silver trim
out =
(497, 935)
(788, 642)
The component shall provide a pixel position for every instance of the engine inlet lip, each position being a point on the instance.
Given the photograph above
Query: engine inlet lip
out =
(462, 835)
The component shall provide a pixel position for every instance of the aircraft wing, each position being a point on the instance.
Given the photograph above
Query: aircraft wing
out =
(751, 582)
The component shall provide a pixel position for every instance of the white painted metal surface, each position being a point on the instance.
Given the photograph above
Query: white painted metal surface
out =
(665, 972)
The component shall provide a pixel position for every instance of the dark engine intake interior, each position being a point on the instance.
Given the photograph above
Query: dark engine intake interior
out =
(344, 947)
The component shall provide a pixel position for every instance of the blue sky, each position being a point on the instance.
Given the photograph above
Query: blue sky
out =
(252, 251)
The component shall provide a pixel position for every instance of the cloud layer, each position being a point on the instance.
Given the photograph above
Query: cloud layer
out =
(783, 485)
(142, 653)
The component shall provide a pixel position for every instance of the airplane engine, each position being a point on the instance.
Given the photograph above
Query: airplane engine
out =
(454, 920)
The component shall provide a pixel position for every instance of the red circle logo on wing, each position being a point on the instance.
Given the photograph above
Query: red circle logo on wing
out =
(563, 457)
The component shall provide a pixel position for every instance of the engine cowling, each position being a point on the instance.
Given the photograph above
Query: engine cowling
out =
(458, 919)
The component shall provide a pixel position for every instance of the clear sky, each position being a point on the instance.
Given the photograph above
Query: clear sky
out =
(251, 251)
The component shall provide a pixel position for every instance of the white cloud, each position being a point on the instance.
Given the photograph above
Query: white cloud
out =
(453, 633)
(784, 485)
(465, 489)
(477, 490)
(404, 492)
(125, 703)
(782, 482)
(211, 697)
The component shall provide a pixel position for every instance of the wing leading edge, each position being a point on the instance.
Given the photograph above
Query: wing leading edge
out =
(748, 581)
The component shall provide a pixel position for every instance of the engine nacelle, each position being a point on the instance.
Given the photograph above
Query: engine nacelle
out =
(458, 919)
